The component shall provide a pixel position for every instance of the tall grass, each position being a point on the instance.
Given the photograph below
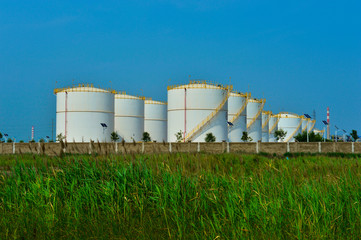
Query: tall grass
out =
(180, 196)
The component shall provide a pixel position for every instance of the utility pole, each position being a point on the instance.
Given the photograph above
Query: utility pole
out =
(328, 123)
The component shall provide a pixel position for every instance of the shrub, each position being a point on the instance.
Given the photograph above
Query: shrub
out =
(146, 137)
(210, 138)
(114, 136)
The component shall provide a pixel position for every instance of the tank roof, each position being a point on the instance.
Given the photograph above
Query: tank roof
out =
(201, 84)
(267, 112)
(288, 115)
(83, 88)
(239, 94)
(151, 101)
(123, 95)
(256, 100)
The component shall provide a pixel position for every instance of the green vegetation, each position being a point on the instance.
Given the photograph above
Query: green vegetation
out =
(210, 138)
(180, 196)
(354, 135)
(312, 137)
(60, 137)
(245, 137)
(179, 136)
(280, 134)
(114, 136)
(146, 137)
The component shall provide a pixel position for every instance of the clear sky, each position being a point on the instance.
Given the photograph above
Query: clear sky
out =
(299, 55)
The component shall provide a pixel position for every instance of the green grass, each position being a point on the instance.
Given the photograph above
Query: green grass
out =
(180, 196)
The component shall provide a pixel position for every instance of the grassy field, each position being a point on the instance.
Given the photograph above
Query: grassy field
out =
(180, 196)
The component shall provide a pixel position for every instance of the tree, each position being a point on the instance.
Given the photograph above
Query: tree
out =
(179, 136)
(312, 137)
(146, 137)
(9, 140)
(114, 136)
(354, 135)
(210, 138)
(41, 140)
(1, 136)
(246, 138)
(280, 134)
(60, 137)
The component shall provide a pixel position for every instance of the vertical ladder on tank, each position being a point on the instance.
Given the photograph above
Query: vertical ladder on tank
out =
(257, 115)
(208, 119)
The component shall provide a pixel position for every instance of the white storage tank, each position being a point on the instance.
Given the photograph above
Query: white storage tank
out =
(311, 125)
(84, 113)
(155, 120)
(291, 124)
(129, 117)
(273, 127)
(266, 117)
(196, 109)
(305, 122)
(254, 118)
(237, 115)
(316, 131)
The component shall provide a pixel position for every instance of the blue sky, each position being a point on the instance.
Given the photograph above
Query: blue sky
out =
(299, 55)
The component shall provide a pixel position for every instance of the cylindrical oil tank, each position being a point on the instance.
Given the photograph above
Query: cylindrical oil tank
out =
(237, 115)
(320, 132)
(291, 124)
(155, 120)
(129, 117)
(266, 117)
(196, 109)
(305, 122)
(311, 125)
(273, 127)
(84, 113)
(254, 118)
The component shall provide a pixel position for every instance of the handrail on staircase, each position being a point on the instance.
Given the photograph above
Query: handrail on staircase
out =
(205, 121)
(294, 132)
(257, 115)
(274, 125)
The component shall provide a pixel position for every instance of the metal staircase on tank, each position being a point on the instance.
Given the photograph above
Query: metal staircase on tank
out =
(208, 119)
(313, 125)
(266, 122)
(274, 125)
(305, 128)
(257, 115)
(239, 112)
(294, 132)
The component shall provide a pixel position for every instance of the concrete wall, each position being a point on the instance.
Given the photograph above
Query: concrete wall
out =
(55, 149)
